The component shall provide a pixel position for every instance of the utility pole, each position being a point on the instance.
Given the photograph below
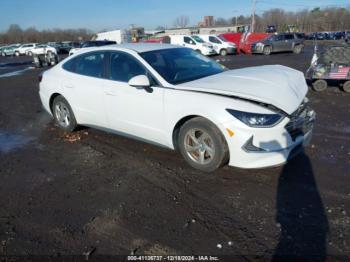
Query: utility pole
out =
(252, 26)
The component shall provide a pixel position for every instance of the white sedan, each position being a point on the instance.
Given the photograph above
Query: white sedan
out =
(172, 96)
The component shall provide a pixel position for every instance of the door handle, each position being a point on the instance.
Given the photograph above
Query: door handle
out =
(68, 86)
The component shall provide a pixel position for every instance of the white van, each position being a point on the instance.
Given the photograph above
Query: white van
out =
(194, 42)
(221, 45)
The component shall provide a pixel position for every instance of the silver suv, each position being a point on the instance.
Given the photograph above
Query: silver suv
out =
(279, 43)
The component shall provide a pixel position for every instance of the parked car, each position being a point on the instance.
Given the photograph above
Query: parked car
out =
(347, 37)
(92, 44)
(175, 97)
(2, 47)
(43, 49)
(65, 47)
(194, 42)
(25, 49)
(221, 45)
(9, 50)
(279, 43)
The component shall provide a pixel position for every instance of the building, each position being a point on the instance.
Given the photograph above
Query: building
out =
(208, 20)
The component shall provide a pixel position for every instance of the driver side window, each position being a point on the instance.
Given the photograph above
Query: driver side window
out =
(188, 40)
(123, 67)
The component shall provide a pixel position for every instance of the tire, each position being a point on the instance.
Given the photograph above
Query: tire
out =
(319, 85)
(3, 54)
(267, 50)
(223, 52)
(63, 114)
(198, 51)
(16, 53)
(346, 87)
(30, 53)
(297, 49)
(202, 145)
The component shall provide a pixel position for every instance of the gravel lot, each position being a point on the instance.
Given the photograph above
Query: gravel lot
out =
(92, 191)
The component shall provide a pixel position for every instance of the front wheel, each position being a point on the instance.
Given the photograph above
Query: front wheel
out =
(267, 50)
(223, 52)
(63, 114)
(30, 53)
(16, 53)
(202, 145)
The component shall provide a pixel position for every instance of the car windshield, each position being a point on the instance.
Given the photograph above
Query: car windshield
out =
(180, 65)
(197, 39)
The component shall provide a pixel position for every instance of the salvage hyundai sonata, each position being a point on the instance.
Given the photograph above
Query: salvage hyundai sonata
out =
(172, 96)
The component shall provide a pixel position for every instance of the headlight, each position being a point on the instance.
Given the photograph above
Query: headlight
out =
(256, 120)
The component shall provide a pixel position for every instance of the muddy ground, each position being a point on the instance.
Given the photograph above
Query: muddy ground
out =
(64, 194)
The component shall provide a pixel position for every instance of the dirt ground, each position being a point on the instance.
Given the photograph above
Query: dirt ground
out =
(68, 194)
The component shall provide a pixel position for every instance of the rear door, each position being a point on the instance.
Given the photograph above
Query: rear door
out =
(84, 88)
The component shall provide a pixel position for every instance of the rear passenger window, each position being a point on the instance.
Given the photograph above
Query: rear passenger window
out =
(70, 65)
(91, 64)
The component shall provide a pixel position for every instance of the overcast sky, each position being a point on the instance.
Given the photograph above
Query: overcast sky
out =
(113, 14)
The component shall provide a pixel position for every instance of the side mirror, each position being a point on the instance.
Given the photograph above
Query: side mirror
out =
(139, 82)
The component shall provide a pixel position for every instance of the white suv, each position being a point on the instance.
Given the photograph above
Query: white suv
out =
(25, 49)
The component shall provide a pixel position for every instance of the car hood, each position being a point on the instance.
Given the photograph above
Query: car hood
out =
(280, 86)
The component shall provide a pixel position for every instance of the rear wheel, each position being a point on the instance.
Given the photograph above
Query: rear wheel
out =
(202, 145)
(63, 114)
(319, 85)
(267, 50)
(346, 86)
(30, 53)
(223, 52)
(3, 54)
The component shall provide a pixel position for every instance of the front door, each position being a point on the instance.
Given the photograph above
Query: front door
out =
(133, 111)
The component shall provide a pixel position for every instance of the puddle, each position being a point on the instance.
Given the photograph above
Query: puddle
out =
(10, 142)
(16, 73)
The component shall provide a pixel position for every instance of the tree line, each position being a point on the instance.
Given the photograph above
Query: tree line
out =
(314, 20)
(15, 34)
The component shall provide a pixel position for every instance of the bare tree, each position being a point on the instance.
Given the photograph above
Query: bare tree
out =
(182, 21)
(221, 22)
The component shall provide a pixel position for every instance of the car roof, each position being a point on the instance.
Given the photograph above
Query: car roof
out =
(137, 47)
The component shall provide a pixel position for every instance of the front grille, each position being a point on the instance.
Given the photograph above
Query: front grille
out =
(301, 121)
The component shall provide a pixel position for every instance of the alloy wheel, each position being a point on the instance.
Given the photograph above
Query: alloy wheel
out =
(62, 114)
(199, 146)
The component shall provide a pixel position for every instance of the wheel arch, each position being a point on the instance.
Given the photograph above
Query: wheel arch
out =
(52, 98)
(183, 120)
(177, 127)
